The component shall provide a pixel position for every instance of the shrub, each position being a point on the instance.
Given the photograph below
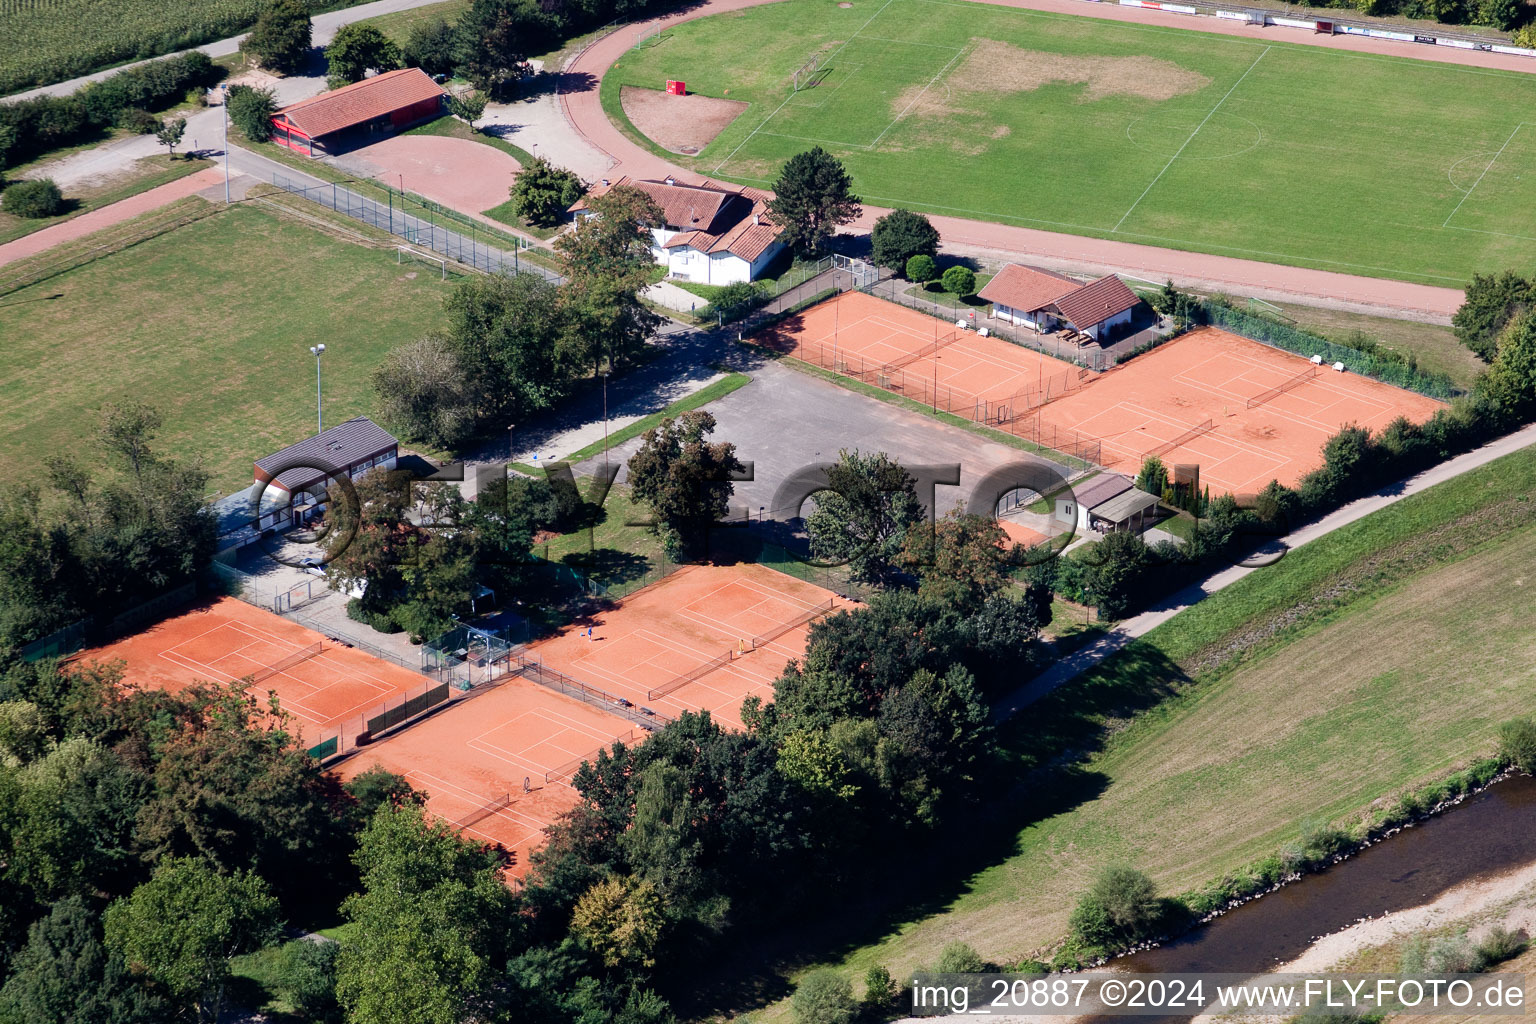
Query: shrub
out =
(138, 120)
(1501, 944)
(306, 979)
(1517, 742)
(900, 235)
(384, 622)
(1120, 908)
(542, 192)
(1449, 954)
(1525, 37)
(879, 990)
(959, 958)
(431, 46)
(960, 281)
(251, 110)
(1492, 300)
(824, 997)
(36, 198)
(734, 301)
(922, 269)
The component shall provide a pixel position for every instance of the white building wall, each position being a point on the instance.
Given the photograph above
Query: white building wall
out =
(1037, 321)
(1114, 321)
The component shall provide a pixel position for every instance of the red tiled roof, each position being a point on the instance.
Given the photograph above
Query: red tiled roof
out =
(1096, 302)
(710, 218)
(1026, 289)
(360, 102)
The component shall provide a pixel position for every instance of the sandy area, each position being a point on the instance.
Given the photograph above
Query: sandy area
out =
(683, 124)
(468, 176)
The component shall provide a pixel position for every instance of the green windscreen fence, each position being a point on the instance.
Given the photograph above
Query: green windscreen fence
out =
(321, 751)
(408, 709)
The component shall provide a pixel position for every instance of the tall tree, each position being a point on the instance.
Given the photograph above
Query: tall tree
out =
(370, 536)
(183, 926)
(1512, 378)
(434, 923)
(813, 196)
(432, 46)
(542, 192)
(900, 235)
(1492, 300)
(684, 479)
(356, 49)
(251, 111)
(496, 38)
(612, 242)
(863, 518)
(514, 341)
(961, 560)
(128, 432)
(64, 973)
(281, 36)
(426, 393)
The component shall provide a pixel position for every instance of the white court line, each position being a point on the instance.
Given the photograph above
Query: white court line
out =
(791, 95)
(1191, 137)
(1480, 177)
(897, 120)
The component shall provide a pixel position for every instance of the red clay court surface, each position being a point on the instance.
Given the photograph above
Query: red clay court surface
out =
(467, 176)
(1209, 375)
(866, 333)
(483, 749)
(698, 613)
(226, 639)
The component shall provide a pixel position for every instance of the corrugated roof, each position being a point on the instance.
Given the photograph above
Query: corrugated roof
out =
(339, 447)
(360, 102)
(1097, 490)
(1026, 289)
(1096, 302)
(1124, 505)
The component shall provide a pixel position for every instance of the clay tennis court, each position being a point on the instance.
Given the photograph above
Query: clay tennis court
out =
(912, 353)
(700, 617)
(473, 759)
(225, 639)
(1196, 391)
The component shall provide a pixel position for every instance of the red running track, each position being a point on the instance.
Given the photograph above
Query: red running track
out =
(585, 113)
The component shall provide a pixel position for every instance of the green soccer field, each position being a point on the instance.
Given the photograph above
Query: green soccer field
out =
(1286, 153)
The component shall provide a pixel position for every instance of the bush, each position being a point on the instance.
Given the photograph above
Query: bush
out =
(1501, 14)
(922, 269)
(1120, 908)
(1517, 743)
(251, 110)
(542, 192)
(1449, 954)
(431, 46)
(734, 301)
(306, 979)
(384, 622)
(36, 198)
(138, 120)
(1525, 37)
(1501, 944)
(880, 990)
(900, 235)
(959, 958)
(960, 281)
(824, 997)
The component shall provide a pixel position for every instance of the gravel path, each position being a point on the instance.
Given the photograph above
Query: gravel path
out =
(582, 107)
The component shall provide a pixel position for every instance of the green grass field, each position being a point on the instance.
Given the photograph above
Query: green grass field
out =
(1280, 152)
(1380, 657)
(144, 174)
(211, 323)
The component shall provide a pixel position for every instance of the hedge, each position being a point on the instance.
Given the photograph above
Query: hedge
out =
(44, 123)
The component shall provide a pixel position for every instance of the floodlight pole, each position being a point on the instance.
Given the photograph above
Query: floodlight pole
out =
(319, 423)
(605, 426)
(224, 105)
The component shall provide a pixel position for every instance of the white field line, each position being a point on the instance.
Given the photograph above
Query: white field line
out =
(897, 119)
(1191, 138)
(791, 95)
(1480, 177)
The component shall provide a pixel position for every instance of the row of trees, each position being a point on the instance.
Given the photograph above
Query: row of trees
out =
(516, 345)
(95, 542)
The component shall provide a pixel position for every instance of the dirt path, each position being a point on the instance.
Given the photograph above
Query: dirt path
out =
(86, 223)
(583, 109)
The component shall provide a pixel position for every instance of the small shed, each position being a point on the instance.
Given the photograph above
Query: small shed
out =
(1045, 301)
(1107, 503)
(297, 477)
(384, 103)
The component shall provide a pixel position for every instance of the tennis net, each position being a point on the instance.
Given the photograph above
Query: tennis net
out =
(689, 676)
(297, 657)
(1198, 430)
(927, 351)
(810, 615)
(482, 812)
(1280, 389)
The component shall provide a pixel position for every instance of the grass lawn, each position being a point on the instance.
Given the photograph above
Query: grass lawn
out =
(1436, 348)
(613, 551)
(1377, 658)
(399, 25)
(211, 323)
(146, 173)
(934, 292)
(1273, 151)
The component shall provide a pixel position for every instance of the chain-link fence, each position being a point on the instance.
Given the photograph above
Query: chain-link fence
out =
(431, 231)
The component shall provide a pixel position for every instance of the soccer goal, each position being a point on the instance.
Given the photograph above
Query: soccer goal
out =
(648, 36)
(808, 74)
(405, 254)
